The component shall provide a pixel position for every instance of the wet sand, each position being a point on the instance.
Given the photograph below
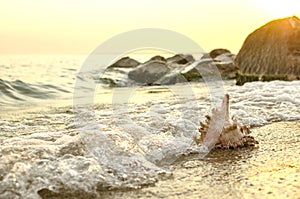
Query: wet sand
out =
(271, 170)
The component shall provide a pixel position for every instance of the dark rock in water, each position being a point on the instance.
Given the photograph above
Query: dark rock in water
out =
(271, 52)
(224, 63)
(180, 59)
(125, 62)
(116, 77)
(160, 71)
(158, 58)
(219, 51)
(116, 74)
(226, 57)
(171, 78)
(192, 72)
(192, 75)
(149, 72)
(227, 70)
(226, 66)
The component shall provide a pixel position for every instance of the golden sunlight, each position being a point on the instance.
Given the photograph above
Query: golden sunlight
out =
(279, 8)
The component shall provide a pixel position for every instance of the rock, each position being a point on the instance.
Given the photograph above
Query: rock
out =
(114, 78)
(149, 72)
(125, 62)
(171, 78)
(224, 63)
(226, 57)
(158, 70)
(272, 52)
(191, 73)
(226, 66)
(158, 58)
(223, 59)
(180, 59)
(227, 70)
(216, 52)
(115, 75)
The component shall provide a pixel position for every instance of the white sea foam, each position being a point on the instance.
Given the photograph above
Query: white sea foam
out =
(124, 147)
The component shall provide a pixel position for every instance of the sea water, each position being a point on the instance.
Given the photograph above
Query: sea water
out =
(50, 146)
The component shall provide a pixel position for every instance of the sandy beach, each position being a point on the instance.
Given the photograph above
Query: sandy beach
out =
(271, 170)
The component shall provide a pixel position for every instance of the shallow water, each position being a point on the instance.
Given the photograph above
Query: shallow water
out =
(129, 146)
(271, 170)
(137, 146)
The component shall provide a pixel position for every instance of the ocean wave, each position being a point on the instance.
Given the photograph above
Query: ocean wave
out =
(17, 90)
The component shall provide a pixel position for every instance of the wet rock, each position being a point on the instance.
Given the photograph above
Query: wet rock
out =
(171, 78)
(181, 59)
(149, 72)
(116, 78)
(272, 52)
(158, 58)
(224, 63)
(177, 63)
(125, 62)
(193, 71)
(161, 71)
(116, 74)
(226, 66)
(226, 57)
(227, 70)
(217, 52)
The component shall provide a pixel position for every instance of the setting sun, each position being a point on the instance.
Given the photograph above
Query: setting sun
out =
(279, 8)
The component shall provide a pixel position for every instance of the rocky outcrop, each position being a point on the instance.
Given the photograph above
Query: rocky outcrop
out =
(161, 71)
(149, 72)
(272, 52)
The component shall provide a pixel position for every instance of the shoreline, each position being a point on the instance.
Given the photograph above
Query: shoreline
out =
(223, 172)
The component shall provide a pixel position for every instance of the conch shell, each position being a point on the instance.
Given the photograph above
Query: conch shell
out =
(221, 131)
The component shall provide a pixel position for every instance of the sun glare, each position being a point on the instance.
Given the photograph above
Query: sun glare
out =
(279, 8)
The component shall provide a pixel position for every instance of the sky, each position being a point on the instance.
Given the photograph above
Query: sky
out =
(78, 27)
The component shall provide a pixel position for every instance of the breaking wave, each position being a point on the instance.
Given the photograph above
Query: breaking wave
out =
(49, 154)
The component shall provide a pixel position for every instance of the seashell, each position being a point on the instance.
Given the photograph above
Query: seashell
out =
(228, 132)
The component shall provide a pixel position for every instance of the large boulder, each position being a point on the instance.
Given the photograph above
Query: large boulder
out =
(272, 52)
(149, 72)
